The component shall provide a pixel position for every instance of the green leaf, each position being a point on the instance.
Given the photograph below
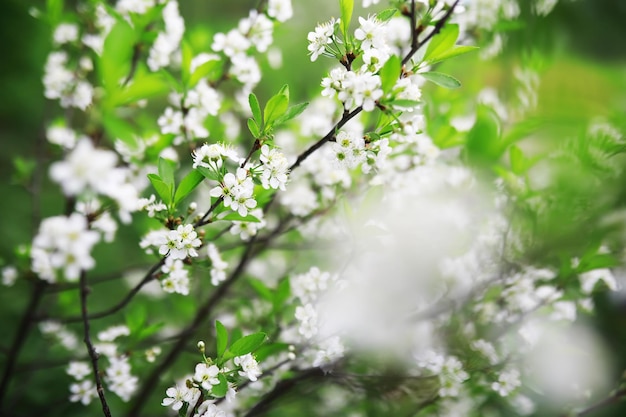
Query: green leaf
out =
(187, 185)
(262, 289)
(405, 103)
(221, 338)
(291, 113)
(389, 73)
(143, 86)
(386, 14)
(208, 173)
(266, 351)
(234, 216)
(284, 90)
(162, 189)
(254, 128)
(136, 318)
(483, 140)
(517, 160)
(443, 80)
(451, 53)
(274, 108)
(346, 7)
(203, 71)
(247, 344)
(220, 389)
(283, 291)
(117, 128)
(147, 331)
(185, 65)
(55, 10)
(442, 42)
(255, 107)
(117, 52)
(166, 171)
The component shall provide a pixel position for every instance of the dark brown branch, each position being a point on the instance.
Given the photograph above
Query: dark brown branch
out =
(281, 389)
(20, 338)
(201, 316)
(330, 135)
(614, 398)
(93, 355)
(415, 45)
(146, 279)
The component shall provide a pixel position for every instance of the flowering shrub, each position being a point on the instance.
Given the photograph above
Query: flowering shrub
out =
(385, 248)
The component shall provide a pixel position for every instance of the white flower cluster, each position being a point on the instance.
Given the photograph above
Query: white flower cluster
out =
(275, 168)
(448, 368)
(353, 89)
(65, 83)
(167, 42)
(180, 243)
(60, 333)
(9, 275)
(249, 366)
(213, 156)
(236, 191)
(186, 118)
(177, 276)
(218, 265)
(63, 244)
(88, 170)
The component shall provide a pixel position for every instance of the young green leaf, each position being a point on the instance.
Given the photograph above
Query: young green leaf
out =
(117, 52)
(120, 129)
(135, 318)
(386, 14)
(389, 73)
(255, 107)
(443, 80)
(284, 90)
(205, 70)
(166, 170)
(220, 389)
(261, 289)
(274, 108)
(346, 7)
(291, 113)
(162, 189)
(483, 145)
(185, 65)
(187, 185)
(221, 338)
(247, 344)
(442, 42)
(234, 216)
(283, 291)
(451, 53)
(400, 102)
(254, 128)
(142, 87)
(207, 173)
(517, 160)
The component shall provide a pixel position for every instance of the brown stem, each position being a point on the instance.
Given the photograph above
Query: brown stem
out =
(84, 292)
(20, 338)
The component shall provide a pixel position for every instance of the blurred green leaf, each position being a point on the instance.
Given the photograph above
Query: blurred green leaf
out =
(255, 108)
(117, 53)
(483, 145)
(346, 7)
(221, 338)
(451, 53)
(386, 14)
(443, 80)
(167, 170)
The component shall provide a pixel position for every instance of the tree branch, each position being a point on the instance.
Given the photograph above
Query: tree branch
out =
(20, 338)
(84, 292)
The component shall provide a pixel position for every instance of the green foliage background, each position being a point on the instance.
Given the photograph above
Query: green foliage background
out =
(578, 49)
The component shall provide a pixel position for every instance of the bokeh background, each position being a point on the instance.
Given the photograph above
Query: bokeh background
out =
(578, 50)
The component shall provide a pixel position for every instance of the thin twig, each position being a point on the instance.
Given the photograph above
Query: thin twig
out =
(614, 398)
(84, 292)
(20, 338)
